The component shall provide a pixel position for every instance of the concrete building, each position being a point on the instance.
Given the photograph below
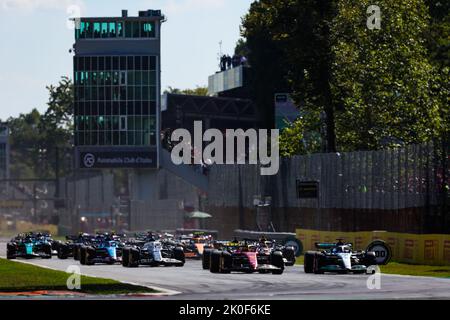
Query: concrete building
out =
(117, 90)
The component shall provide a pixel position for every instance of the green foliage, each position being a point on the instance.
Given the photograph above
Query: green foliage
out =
(198, 91)
(383, 77)
(241, 48)
(371, 89)
(35, 137)
(265, 55)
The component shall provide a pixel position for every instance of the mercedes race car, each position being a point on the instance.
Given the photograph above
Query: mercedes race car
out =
(29, 246)
(238, 257)
(152, 252)
(341, 258)
(104, 249)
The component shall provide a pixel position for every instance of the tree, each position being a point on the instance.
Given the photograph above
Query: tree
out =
(265, 54)
(383, 77)
(370, 88)
(38, 141)
(198, 91)
(25, 143)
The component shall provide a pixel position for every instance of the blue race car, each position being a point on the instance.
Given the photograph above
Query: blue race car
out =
(29, 246)
(104, 249)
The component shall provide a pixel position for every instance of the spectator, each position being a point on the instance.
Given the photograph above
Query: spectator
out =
(229, 62)
(223, 63)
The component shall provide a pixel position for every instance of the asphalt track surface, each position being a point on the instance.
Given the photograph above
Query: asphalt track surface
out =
(193, 283)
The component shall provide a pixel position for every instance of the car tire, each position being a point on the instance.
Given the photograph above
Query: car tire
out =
(76, 253)
(370, 259)
(226, 262)
(309, 261)
(206, 258)
(48, 252)
(296, 243)
(134, 258)
(178, 254)
(276, 259)
(90, 252)
(82, 256)
(10, 252)
(318, 263)
(215, 261)
(62, 249)
(289, 254)
(126, 257)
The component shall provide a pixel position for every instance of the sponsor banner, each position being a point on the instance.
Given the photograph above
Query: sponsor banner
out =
(118, 159)
(11, 204)
(408, 248)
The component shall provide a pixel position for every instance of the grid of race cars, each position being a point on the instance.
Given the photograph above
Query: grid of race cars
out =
(162, 249)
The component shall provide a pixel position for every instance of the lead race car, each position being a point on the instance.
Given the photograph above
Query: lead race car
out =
(340, 257)
(29, 246)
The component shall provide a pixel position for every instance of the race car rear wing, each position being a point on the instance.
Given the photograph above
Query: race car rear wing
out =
(325, 246)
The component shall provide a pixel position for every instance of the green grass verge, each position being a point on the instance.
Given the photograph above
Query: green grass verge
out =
(416, 270)
(20, 277)
(408, 269)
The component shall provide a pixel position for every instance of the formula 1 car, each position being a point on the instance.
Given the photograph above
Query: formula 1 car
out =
(245, 258)
(71, 248)
(152, 252)
(266, 247)
(341, 258)
(195, 244)
(216, 245)
(29, 246)
(103, 249)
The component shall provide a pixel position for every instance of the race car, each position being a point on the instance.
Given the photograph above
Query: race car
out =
(29, 246)
(152, 252)
(103, 249)
(266, 247)
(71, 248)
(245, 258)
(341, 258)
(216, 245)
(194, 245)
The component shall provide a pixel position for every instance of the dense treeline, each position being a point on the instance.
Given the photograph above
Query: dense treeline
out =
(41, 142)
(359, 89)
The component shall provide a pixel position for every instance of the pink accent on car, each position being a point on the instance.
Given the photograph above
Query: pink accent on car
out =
(252, 259)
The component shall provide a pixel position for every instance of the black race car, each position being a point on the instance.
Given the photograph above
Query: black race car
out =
(341, 258)
(70, 248)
